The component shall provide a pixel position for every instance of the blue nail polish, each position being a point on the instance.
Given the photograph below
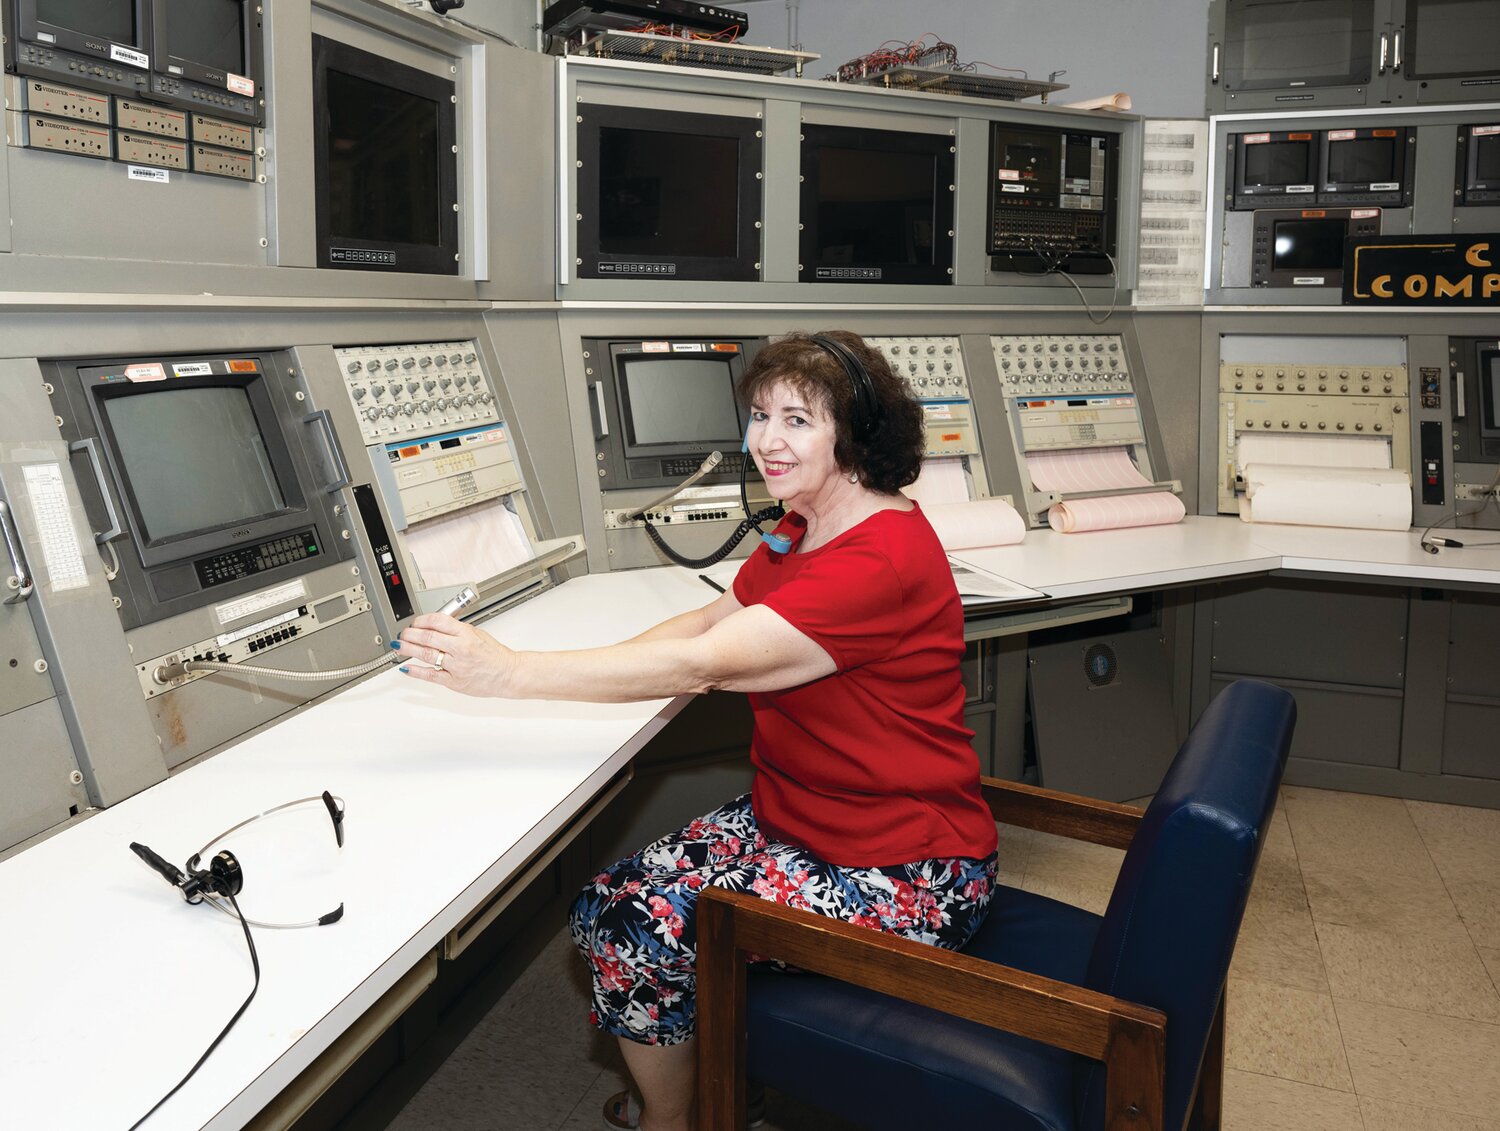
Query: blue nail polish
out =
(404, 669)
(395, 644)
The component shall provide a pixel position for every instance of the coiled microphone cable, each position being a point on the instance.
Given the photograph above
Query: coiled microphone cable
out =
(751, 521)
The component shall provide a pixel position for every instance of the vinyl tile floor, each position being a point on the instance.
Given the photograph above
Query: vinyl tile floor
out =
(1362, 996)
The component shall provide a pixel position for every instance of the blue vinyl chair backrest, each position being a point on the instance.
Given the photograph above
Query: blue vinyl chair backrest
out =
(1168, 935)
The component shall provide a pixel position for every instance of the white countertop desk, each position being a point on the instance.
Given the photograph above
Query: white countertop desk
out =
(111, 986)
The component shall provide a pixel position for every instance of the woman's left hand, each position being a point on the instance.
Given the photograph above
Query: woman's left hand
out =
(456, 655)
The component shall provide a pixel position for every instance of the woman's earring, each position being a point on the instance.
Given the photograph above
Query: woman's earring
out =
(854, 477)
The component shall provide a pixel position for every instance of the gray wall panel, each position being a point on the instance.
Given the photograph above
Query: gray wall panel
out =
(1341, 725)
(1469, 743)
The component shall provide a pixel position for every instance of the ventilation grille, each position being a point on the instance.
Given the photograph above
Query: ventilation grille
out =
(1101, 665)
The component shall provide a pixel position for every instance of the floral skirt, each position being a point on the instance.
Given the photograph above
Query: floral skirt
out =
(635, 923)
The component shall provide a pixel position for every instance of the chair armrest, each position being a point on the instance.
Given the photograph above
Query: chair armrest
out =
(1128, 1038)
(1065, 814)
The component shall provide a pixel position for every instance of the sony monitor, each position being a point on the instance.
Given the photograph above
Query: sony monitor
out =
(102, 45)
(208, 57)
(877, 206)
(1477, 177)
(1274, 167)
(1370, 165)
(1304, 247)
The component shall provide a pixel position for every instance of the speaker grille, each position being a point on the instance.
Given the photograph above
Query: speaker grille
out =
(1101, 665)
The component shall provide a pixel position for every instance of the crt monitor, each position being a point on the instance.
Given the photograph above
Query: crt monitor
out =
(1295, 44)
(666, 194)
(1477, 179)
(1367, 166)
(1488, 358)
(1274, 167)
(660, 407)
(386, 171)
(208, 467)
(100, 45)
(877, 206)
(207, 57)
(1452, 39)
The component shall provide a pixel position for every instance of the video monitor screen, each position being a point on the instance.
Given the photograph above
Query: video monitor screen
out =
(874, 207)
(194, 459)
(1489, 391)
(679, 399)
(113, 20)
(1364, 160)
(1277, 163)
(668, 194)
(1272, 43)
(1308, 245)
(210, 33)
(383, 162)
(1487, 160)
(1452, 38)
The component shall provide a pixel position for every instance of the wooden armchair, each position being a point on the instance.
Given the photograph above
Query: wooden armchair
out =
(1050, 1018)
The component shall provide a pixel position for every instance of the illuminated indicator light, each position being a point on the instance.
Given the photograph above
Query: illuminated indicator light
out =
(1314, 213)
(1382, 133)
(726, 347)
(950, 435)
(1299, 137)
(411, 451)
(243, 366)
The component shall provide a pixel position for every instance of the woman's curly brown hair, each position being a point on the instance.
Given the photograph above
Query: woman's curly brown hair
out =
(890, 456)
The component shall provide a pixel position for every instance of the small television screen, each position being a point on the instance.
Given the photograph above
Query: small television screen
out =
(679, 398)
(208, 32)
(1368, 165)
(114, 20)
(1277, 164)
(1308, 245)
(877, 206)
(666, 194)
(215, 471)
(387, 175)
(1477, 180)
(1452, 38)
(1489, 391)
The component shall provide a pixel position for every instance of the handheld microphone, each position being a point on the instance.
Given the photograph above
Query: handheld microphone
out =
(459, 601)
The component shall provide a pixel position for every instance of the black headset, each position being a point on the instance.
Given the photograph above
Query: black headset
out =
(867, 413)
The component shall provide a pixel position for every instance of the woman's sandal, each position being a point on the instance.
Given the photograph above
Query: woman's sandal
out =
(622, 1111)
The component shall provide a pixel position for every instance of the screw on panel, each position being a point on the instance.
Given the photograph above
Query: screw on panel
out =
(76, 777)
(40, 667)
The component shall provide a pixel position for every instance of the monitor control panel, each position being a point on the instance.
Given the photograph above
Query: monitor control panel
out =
(1061, 364)
(417, 390)
(933, 369)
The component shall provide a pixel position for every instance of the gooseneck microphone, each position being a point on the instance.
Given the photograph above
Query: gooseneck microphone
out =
(750, 522)
(713, 461)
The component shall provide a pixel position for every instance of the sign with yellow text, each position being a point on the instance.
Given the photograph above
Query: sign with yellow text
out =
(1422, 271)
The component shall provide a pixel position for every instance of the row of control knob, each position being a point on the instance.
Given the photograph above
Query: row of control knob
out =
(411, 361)
(1283, 379)
(932, 368)
(1059, 364)
(1340, 426)
(415, 390)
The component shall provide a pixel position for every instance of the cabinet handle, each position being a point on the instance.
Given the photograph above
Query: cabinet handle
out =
(88, 448)
(20, 581)
(1213, 74)
(1396, 55)
(1385, 43)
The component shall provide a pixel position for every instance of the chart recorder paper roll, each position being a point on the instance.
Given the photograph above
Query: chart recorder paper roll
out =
(1100, 469)
(1368, 498)
(972, 526)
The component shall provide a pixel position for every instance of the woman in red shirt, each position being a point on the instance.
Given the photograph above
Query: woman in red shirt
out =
(865, 804)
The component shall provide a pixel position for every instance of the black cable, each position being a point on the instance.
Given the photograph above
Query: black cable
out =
(255, 964)
(745, 527)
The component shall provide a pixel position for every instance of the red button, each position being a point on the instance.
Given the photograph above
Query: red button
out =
(395, 579)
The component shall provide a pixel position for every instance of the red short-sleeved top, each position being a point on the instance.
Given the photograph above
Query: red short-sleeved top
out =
(871, 765)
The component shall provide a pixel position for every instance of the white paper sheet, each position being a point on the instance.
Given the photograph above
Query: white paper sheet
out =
(981, 587)
(968, 526)
(468, 546)
(941, 481)
(1312, 451)
(1100, 469)
(1364, 498)
(1174, 178)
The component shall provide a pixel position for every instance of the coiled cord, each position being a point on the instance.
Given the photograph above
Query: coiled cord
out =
(745, 527)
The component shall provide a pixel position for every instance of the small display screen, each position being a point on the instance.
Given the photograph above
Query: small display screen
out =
(1362, 160)
(668, 194)
(1452, 38)
(679, 399)
(1487, 160)
(194, 459)
(875, 206)
(1316, 245)
(1276, 164)
(113, 20)
(383, 175)
(210, 33)
(1489, 391)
